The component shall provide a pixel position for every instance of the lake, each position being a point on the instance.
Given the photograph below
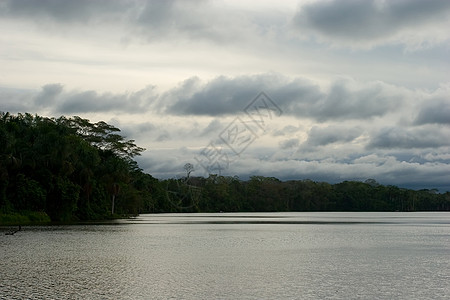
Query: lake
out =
(232, 256)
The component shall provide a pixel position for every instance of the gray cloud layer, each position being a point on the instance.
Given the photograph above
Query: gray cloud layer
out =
(54, 97)
(332, 134)
(364, 20)
(344, 20)
(64, 11)
(428, 137)
(222, 96)
(345, 104)
(154, 20)
(436, 111)
(296, 97)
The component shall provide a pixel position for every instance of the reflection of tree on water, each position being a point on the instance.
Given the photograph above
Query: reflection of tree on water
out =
(181, 193)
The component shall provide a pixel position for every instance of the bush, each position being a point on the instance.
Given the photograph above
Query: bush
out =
(24, 218)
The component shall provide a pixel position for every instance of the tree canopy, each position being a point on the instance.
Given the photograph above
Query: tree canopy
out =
(69, 168)
(72, 169)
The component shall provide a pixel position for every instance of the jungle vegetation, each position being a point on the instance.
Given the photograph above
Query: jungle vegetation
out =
(69, 169)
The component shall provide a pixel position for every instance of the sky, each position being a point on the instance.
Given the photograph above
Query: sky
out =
(322, 90)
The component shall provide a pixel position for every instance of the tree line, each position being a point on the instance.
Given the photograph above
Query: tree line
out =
(259, 193)
(71, 169)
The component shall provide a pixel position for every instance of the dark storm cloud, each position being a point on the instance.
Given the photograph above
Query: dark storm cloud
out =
(343, 102)
(220, 96)
(435, 111)
(91, 101)
(151, 19)
(332, 134)
(224, 96)
(401, 138)
(54, 98)
(48, 95)
(63, 10)
(195, 19)
(367, 19)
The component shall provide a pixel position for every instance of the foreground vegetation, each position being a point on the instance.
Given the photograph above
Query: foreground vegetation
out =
(69, 169)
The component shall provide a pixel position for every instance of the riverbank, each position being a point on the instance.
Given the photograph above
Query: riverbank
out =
(24, 218)
(41, 218)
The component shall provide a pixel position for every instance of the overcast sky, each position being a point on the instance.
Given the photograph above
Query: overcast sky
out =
(351, 89)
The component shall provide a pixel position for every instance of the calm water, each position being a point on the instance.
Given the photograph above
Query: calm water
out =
(233, 256)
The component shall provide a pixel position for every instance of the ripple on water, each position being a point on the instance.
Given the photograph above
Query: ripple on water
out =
(176, 260)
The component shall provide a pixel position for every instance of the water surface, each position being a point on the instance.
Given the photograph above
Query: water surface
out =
(232, 256)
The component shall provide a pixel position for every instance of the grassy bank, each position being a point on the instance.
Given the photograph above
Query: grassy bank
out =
(24, 218)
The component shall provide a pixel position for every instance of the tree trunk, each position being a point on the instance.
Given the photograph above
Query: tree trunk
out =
(112, 204)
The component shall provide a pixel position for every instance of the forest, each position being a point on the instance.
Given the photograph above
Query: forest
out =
(69, 169)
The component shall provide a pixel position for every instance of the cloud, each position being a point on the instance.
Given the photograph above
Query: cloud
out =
(159, 19)
(15, 100)
(215, 126)
(396, 168)
(228, 96)
(441, 157)
(349, 130)
(138, 131)
(423, 137)
(221, 96)
(90, 101)
(289, 129)
(55, 98)
(374, 21)
(345, 99)
(48, 95)
(319, 136)
(290, 143)
(163, 137)
(435, 111)
(148, 20)
(196, 19)
(64, 11)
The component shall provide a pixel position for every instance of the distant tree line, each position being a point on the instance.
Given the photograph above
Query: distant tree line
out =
(219, 193)
(71, 169)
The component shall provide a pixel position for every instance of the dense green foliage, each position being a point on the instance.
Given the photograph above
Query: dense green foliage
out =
(70, 169)
(218, 193)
